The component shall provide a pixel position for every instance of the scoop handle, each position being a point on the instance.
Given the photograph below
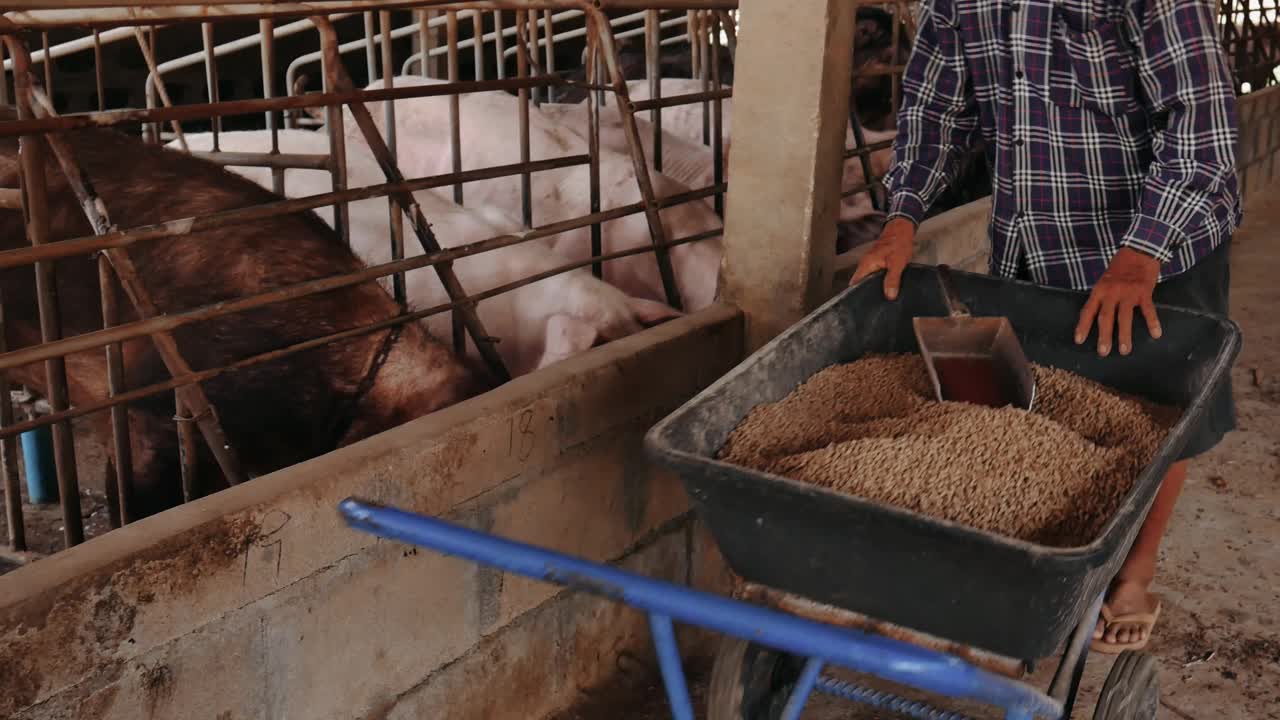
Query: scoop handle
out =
(955, 308)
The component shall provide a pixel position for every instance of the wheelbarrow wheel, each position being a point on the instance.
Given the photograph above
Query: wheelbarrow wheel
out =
(750, 682)
(1131, 691)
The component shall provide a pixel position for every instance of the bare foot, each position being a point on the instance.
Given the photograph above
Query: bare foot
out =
(1126, 597)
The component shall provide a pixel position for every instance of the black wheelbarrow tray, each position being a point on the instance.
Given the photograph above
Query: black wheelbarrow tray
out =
(1010, 597)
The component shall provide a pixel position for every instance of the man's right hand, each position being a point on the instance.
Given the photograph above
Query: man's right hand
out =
(891, 253)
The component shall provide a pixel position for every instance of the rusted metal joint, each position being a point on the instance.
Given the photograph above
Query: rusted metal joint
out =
(188, 417)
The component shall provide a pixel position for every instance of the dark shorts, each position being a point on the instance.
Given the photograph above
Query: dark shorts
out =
(1206, 288)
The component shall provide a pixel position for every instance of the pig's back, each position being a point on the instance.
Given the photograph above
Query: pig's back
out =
(142, 184)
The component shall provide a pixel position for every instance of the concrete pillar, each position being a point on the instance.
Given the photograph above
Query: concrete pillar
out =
(791, 108)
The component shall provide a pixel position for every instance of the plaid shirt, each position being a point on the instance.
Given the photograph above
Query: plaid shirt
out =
(1108, 123)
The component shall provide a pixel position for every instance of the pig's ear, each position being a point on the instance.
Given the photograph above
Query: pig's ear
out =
(649, 312)
(567, 336)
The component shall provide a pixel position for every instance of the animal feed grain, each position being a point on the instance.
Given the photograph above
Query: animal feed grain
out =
(872, 428)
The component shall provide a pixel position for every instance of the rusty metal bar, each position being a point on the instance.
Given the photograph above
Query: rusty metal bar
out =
(266, 29)
(549, 64)
(864, 158)
(683, 99)
(198, 111)
(717, 118)
(691, 34)
(458, 336)
(477, 45)
(166, 345)
(205, 375)
(157, 84)
(120, 436)
(868, 149)
(263, 211)
(211, 77)
(730, 32)
(267, 160)
(186, 449)
(601, 90)
(335, 126)
(522, 70)
(172, 321)
(337, 76)
(704, 74)
(48, 66)
(657, 232)
(36, 212)
(653, 72)
(9, 450)
(427, 39)
(99, 84)
(455, 110)
(593, 148)
(530, 41)
(395, 218)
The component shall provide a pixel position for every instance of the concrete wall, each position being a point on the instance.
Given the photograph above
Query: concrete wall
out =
(258, 603)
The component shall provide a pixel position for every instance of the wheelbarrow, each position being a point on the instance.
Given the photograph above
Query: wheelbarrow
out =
(990, 600)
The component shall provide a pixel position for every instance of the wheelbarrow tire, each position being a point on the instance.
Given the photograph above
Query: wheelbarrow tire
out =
(1132, 689)
(750, 682)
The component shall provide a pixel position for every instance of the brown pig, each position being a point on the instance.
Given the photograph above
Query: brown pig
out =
(275, 413)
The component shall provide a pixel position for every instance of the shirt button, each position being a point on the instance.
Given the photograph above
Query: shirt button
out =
(1018, 74)
(1013, 7)
(1019, 142)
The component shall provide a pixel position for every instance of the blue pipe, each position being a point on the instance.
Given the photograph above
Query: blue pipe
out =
(664, 640)
(37, 460)
(803, 689)
(884, 657)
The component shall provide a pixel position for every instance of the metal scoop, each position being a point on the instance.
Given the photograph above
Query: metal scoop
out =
(976, 360)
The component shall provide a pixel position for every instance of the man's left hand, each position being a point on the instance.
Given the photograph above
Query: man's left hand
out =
(1125, 287)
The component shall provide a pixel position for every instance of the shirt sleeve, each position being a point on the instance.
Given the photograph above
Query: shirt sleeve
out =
(938, 120)
(1190, 185)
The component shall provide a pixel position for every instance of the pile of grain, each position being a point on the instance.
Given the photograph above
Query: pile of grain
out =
(872, 429)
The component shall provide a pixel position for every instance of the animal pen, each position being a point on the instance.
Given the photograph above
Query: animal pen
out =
(167, 73)
(252, 602)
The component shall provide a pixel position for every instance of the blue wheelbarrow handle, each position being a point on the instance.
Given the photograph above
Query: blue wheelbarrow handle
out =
(883, 657)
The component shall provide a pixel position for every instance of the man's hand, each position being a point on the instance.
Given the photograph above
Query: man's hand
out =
(1126, 286)
(891, 252)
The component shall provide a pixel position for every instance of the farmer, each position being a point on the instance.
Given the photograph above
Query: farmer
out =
(1111, 130)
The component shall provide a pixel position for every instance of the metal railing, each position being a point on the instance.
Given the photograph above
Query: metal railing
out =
(40, 127)
(1251, 40)
(494, 33)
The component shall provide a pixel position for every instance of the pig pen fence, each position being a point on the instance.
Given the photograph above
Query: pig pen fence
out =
(165, 69)
(509, 47)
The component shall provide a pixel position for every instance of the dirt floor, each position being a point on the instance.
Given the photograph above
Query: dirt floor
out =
(1218, 638)
(43, 523)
